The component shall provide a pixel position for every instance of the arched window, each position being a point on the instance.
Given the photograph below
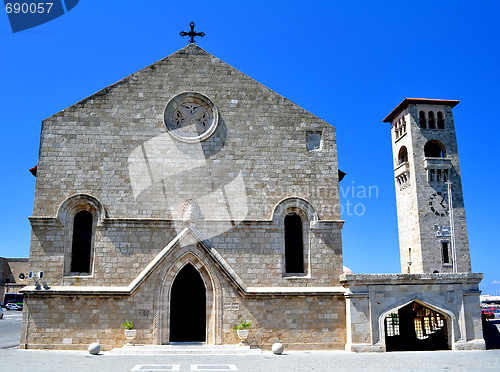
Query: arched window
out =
(432, 122)
(440, 120)
(403, 155)
(421, 116)
(81, 248)
(434, 149)
(294, 244)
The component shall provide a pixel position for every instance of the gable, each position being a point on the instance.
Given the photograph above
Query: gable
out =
(115, 145)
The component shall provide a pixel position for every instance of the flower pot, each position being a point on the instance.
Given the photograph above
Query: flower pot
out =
(243, 335)
(130, 334)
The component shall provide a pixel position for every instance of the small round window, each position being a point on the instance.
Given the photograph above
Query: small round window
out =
(191, 117)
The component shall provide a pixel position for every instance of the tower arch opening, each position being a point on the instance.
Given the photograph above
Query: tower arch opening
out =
(403, 155)
(432, 121)
(434, 149)
(422, 120)
(440, 120)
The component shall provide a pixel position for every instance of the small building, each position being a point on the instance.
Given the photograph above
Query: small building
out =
(10, 268)
(187, 197)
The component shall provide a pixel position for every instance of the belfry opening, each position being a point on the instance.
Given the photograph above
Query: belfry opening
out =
(188, 310)
(415, 327)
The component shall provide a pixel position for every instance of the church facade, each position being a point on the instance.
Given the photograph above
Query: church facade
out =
(188, 197)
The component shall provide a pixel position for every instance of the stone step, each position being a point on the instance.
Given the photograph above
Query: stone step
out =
(184, 348)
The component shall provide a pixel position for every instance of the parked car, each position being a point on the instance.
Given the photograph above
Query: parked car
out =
(488, 313)
(1, 313)
(12, 306)
(496, 312)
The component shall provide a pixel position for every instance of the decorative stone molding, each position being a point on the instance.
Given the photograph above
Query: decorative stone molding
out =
(81, 202)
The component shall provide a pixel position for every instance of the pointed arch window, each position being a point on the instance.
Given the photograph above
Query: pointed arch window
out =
(294, 244)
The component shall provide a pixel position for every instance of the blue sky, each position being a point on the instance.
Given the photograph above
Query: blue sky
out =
(348, 62)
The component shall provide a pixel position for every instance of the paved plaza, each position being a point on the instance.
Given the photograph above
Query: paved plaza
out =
(81, 361)
(35, 360)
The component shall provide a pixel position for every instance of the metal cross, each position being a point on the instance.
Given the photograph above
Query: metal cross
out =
(191, 33)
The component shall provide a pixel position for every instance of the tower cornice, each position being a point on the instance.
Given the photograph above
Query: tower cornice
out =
(409, 101)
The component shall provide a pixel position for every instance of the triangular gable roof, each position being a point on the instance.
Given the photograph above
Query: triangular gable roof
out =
(191, 49)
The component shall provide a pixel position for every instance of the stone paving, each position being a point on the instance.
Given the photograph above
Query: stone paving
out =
(35, 360)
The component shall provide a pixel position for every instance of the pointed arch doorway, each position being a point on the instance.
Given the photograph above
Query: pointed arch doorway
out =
(416, 327)
(188, 309)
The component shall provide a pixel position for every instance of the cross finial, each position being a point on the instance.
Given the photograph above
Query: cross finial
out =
(191, 33)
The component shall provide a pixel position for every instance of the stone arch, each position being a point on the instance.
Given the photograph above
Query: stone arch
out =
(440, 120)
(422, 119)
(294, 204)
(449, 317)
(80, 202)
(308, 216)
(213, 296)
(434, 149)
(66, 214)
(402, 155)
(431, 121)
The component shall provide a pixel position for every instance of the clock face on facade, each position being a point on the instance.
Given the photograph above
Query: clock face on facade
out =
(438, 203)
(191, 117)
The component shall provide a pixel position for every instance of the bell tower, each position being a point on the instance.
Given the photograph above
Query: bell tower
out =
(432, 236)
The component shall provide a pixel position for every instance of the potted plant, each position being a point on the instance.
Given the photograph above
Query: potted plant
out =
(130, 332)
(242, 330)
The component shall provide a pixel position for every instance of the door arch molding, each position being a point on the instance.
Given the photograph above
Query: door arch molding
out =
(213, 298)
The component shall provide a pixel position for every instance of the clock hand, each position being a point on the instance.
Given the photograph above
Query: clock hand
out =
(444, 206)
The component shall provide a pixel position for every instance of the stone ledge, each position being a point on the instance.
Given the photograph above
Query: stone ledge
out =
(470, 345)
(409, 279)
(365, 348)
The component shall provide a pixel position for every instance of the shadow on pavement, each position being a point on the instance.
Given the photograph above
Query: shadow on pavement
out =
(491, 333)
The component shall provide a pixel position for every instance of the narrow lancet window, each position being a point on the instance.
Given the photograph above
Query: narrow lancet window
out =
(446, 254)
(440, 120)
(82, 242)
(432, 122)
(294, 244)
(421, 120)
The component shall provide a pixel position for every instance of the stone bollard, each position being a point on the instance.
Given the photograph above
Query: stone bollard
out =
(94, 348)
(278, 348)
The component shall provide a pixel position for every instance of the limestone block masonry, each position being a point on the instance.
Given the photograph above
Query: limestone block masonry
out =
(157, 197)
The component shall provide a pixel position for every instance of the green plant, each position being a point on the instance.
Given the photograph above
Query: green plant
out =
(128, 324)
(242, 325)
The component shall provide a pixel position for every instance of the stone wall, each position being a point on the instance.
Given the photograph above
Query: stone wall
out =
(114, 145)
(10, 268)
(371, 297)
(71, 317)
